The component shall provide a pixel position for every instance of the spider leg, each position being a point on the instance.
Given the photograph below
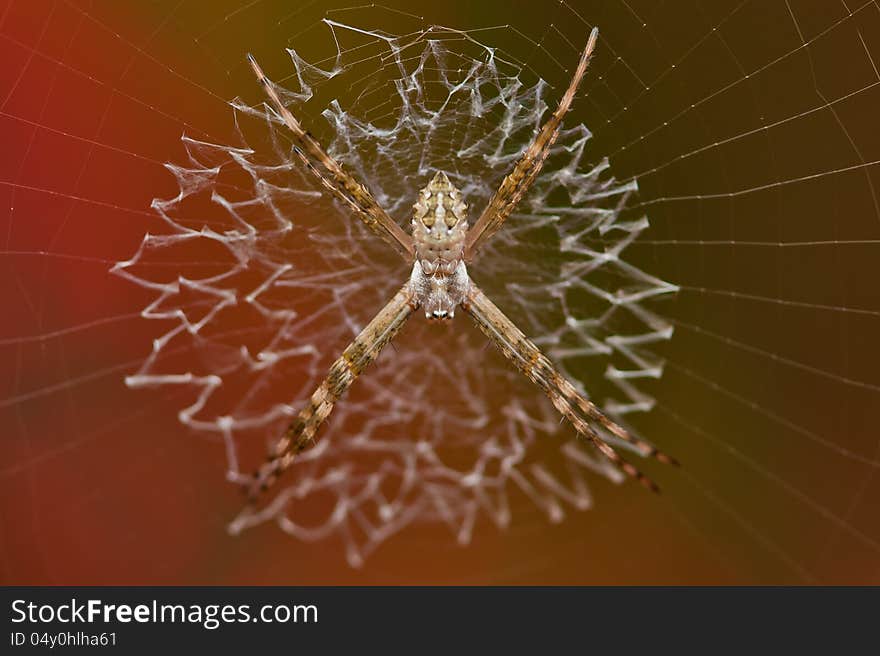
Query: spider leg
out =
(336, 179)
(362, 352)
(537, 367)
(529, 165)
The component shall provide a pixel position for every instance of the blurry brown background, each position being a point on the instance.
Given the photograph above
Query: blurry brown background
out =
(770, 393)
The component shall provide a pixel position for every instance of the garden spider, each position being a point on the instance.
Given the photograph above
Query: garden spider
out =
(439, 249)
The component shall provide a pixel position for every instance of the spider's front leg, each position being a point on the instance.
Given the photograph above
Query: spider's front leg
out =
(515, 185)
(362, 352)
(334, 177)
(579, 411)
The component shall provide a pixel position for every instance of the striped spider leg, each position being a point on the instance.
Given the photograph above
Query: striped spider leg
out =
(438, 249)
(518, 181)
(362, 352)
(536, 366)
(336, 179)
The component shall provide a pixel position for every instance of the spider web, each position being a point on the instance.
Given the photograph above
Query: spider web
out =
(745, 132)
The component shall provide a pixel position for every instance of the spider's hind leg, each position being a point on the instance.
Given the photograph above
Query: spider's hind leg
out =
(362, 352)
(536, 366)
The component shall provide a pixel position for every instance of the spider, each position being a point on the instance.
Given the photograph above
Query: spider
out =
(439, 249)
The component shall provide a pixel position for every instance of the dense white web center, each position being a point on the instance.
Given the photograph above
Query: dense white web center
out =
(440, 431)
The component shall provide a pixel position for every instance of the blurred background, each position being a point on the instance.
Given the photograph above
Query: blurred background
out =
(751, 128)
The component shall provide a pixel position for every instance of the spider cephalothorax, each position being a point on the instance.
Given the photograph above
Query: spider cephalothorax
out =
(439, 277)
